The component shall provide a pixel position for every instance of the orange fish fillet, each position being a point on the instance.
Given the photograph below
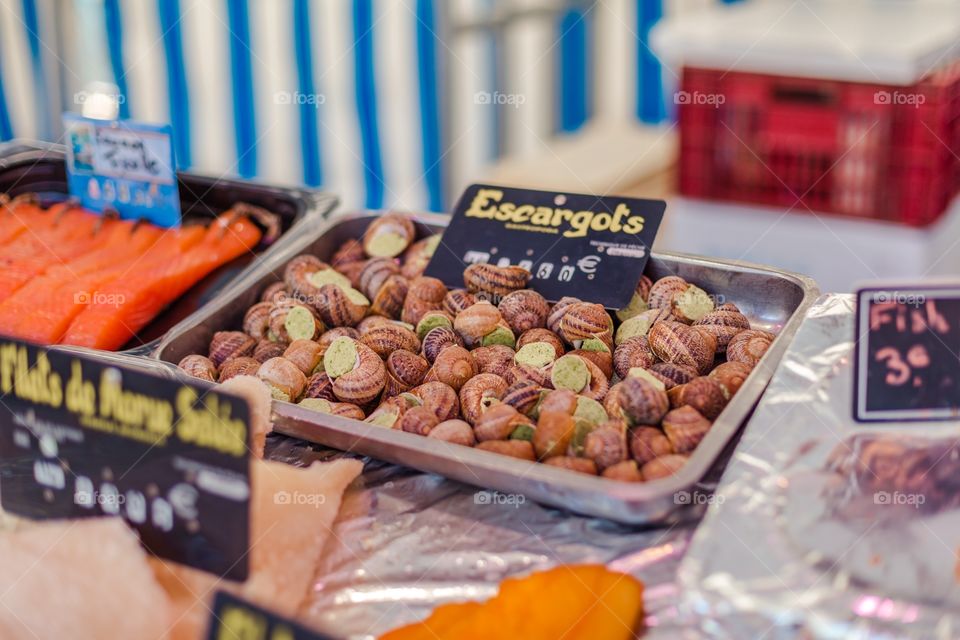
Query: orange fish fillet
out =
(105, 325)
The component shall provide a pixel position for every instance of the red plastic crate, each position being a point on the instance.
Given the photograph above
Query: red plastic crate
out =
(875, 151)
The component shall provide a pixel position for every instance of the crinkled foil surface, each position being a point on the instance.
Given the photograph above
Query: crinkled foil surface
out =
(406, 542)
(799, 541)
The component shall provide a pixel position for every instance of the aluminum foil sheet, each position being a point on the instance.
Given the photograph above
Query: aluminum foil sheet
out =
(824, 527)
(406, 542)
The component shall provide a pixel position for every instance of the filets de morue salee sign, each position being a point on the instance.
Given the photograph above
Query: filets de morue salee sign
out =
(590, 247)
(80, 438)
(907, 354)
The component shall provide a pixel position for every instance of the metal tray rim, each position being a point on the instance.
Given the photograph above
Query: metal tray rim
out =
(703, 457)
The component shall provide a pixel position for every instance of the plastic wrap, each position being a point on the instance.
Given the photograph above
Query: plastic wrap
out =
(825, 526)
(406, 542)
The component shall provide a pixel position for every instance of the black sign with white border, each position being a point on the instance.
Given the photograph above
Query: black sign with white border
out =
(81, 438)
(907, 353)
(590, 247)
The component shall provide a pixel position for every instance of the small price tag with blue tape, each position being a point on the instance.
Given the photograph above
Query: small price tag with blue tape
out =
(123, 165)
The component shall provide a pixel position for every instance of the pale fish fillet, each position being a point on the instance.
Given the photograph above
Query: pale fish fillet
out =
(286, 537)
(256, 393)
(79, 579)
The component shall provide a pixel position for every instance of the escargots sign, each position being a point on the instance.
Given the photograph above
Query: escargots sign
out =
(573, 244)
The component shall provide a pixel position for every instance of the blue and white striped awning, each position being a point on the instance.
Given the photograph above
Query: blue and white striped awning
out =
(388, 103)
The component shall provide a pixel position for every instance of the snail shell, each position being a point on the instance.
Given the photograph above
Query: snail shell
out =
(428, 289)
(199, 367)
(375, 273)
(319, 385)
(663, 467)
(634, 352)
(580, 465)
(405, 370)
(724, 325)
(599, 385)
(641, 401)
(477, 321)
(417, 257)
(672, 375)
(440, 397)
(340, 308)
(457, 300)
(346, 410)
(524, 372)
(284, 378)
(606, 445)
(256, 321)
(602, 359)
(496, 423)
(491, 279)
(584, 320)
(230, 344)
(558, 311)
(478, 392)
(663, 290)
(389, 235)
(749, 346)
(242, 366)
(419, 420)
(348, 252)
(626, 471)
(296, 275)
(524, 309)
(523, 396)
(521, 449)
(337, 332)
(553, 434)
(389, 337)
(647, 443)
(559, 401)
(452, 366)
(267, 349)
(541, 335)
(306, 354)
(688, 346)
(731, 375)
(388, 301)
(365, 382)
(274, 291)
(704, 394)
(495, 359)
(455, 431)
(438, 339)
(685, 428)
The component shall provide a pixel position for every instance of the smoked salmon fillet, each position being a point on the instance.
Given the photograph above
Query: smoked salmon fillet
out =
(41, 310)
(105, 325)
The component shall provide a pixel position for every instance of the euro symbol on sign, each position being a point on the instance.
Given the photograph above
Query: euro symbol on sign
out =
(588, 264)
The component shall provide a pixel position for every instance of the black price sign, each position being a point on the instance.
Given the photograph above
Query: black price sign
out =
(579, 245)
(81, 438)
(907, 354)
(236, 619)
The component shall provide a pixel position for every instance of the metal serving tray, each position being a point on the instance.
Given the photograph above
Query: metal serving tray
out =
(772, 299)
(38, 167)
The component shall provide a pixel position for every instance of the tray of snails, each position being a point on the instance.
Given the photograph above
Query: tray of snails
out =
(612, 413)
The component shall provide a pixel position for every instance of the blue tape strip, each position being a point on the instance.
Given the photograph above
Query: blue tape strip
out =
(429, 107)
(650, 106)
(179, 96)
(241, 76)
(573, 81)
(366, 91)
(309, 134)
(114, 25)
(42, 104)
(6, 131)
